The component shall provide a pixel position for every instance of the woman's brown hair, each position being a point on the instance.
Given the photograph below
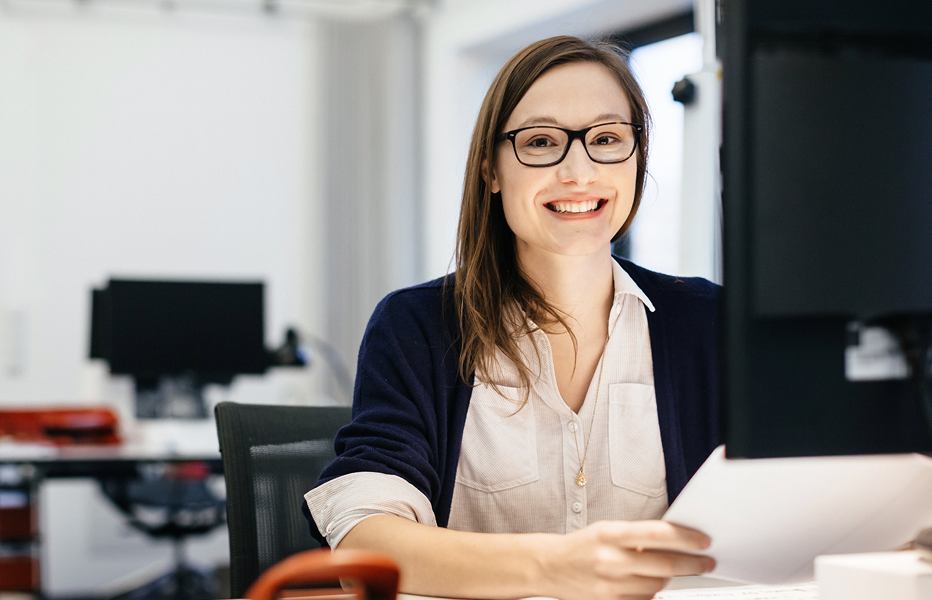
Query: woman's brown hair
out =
(490, 291)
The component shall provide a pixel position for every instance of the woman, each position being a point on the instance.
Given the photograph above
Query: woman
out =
(497, 404)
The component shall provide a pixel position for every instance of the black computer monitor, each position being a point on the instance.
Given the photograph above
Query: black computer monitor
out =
(152, 328)
(827, 198)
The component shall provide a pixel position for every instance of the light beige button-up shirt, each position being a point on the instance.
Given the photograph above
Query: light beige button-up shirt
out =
(518, 462)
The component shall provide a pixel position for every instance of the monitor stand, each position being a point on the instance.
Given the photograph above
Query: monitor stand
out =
(170, 397)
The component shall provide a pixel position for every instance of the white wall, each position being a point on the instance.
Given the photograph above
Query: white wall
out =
(150, 145)
(370, 96)
(147, 144)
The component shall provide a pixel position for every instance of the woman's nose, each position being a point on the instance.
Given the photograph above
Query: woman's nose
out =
(577, 167)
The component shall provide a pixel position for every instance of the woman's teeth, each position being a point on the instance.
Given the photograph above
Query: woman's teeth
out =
(574, 207)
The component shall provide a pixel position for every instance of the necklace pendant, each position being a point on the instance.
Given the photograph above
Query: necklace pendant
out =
(581, 479)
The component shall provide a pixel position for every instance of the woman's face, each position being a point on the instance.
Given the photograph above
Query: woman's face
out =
(575, 207)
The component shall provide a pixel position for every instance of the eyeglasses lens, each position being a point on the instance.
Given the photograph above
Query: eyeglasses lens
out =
(609, 143)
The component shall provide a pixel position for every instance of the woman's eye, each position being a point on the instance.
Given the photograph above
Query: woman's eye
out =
(605, 140)
(540, 142)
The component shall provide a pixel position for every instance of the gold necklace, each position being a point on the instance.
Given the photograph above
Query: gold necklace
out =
(581, 478)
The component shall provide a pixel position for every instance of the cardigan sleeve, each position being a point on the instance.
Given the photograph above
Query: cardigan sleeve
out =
(342, 503)
(405, 396)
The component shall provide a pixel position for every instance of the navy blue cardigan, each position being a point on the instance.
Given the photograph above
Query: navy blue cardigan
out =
(409, 403)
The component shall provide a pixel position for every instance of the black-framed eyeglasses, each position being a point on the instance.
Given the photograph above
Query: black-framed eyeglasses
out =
(545, 146)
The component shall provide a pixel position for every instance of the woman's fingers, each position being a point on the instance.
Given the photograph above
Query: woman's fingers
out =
(657, 535)
(616, 564)
(654, 563)
(615, 560)
(637, 586)
(632, 586)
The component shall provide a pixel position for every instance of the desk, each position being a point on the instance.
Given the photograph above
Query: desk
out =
(36, 461)
(28, 469)
(702, 591)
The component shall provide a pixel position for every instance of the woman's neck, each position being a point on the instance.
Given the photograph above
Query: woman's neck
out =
(580, 286)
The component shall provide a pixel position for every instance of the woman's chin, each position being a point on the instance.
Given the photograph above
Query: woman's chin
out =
(572, 248)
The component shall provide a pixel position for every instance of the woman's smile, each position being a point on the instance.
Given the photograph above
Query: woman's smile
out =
(577, 207)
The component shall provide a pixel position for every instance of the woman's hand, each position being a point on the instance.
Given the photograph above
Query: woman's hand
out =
(622, 560)
(607, 560)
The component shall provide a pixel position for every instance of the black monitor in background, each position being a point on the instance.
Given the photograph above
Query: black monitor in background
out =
(173, 337)
(827, 199)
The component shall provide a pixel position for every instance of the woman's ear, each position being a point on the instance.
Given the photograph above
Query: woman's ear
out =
(489, 176)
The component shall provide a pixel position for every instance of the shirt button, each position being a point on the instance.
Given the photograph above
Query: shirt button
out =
(577, 507)
(571, 426)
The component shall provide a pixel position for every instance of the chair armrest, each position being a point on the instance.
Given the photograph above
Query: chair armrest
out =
(376, 574)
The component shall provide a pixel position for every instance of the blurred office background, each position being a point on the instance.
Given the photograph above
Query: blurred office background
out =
(315, 145)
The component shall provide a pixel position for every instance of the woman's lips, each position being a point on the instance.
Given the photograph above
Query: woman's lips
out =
(575, 206)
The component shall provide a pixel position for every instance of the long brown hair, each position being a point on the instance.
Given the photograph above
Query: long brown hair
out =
(490, 290)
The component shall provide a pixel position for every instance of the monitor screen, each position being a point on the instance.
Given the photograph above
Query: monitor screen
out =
(153, 328)
(828, 230)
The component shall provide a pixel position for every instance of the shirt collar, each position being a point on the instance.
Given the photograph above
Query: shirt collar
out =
(625, 285)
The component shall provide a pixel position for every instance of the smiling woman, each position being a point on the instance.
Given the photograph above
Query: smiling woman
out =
(518, 425)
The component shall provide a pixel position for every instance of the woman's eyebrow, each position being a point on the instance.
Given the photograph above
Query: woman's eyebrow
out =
(545, 120)
(609, 117)
(537, 121)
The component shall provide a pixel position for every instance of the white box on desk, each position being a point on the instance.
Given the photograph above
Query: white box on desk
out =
(874, 576)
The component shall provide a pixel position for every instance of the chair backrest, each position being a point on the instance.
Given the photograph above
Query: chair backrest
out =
(272, 455)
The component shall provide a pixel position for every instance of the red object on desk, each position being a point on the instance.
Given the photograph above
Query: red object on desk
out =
(61, 426)
(373, 575)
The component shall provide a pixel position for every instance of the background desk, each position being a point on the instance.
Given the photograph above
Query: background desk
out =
(34, 461)
(82, 545)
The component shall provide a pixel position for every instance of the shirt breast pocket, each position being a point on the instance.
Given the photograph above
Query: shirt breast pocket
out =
(636, 450)
(499, 448)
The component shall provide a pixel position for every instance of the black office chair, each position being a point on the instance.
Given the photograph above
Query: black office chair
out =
(171, 501)
(272, 455)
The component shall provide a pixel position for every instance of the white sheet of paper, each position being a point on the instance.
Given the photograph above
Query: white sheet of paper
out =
(802, 591)
(769, 518)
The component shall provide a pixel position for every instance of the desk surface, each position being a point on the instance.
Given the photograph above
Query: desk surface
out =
(92, 461)
(145, 442)
(702, 591)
